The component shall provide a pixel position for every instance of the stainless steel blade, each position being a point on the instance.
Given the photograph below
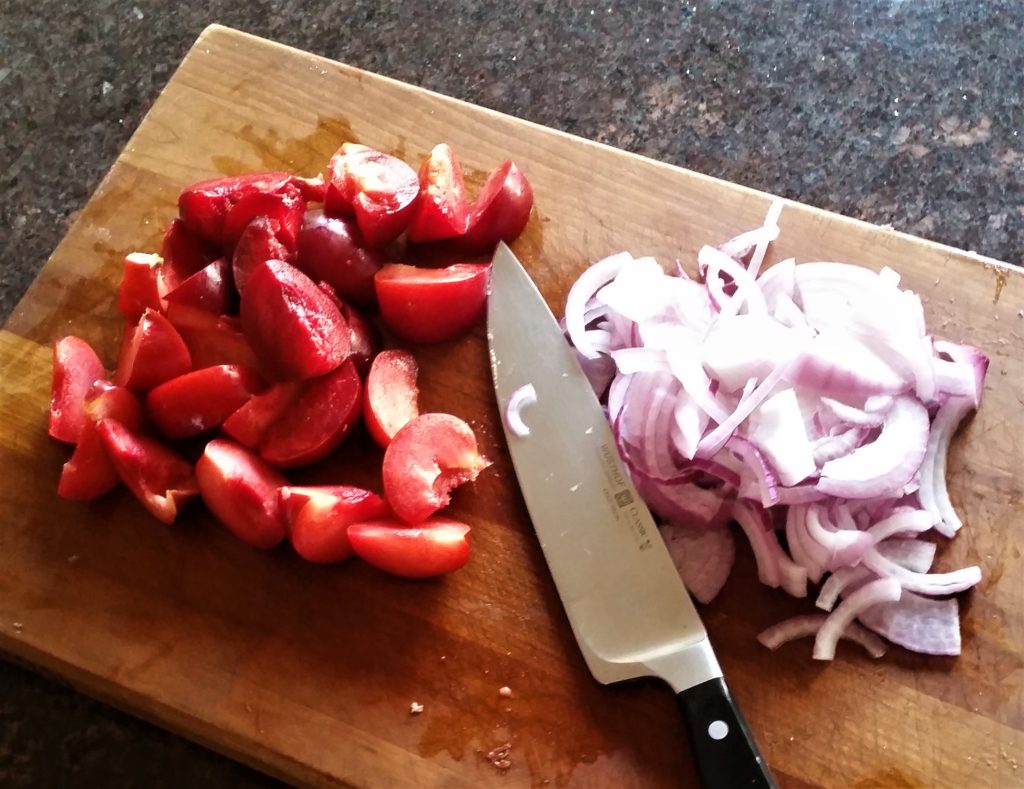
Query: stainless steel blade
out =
(628, 608)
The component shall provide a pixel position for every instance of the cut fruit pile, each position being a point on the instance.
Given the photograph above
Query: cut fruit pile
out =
(808, 404)
(252, 330)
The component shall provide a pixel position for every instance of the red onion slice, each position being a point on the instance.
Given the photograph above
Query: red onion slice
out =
(788, 314)
(838, 582)
(769, 232)
(903, 520)
(800, 494)
(849, 415)
(914, 555)
(970, 357)
(843, 547)
(774, 568)
(888, 463)
(519, 399)
(878, 404)
(832, 447)
(956, 379)
(778, 283)
(617, 391)
(760, 472)
(800, 543)
(934, 492)
(629, 361)
(636, 293)
(920, 624)
(826, 290)
(776, 427)
(809, 625)
(599, 371)
(747, 292)
(589, 282)
(833, 364)
(682, 502)
(659, 414)
(924, 583)
(811, 387)
(715, 440)
(882, 590)
(704, 557)
(753, 244)
(686, 367)
(689, 424)
(742, 347)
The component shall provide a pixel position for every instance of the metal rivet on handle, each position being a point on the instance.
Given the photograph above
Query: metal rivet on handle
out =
(718, 730)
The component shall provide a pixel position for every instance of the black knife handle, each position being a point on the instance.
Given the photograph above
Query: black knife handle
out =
(726, 754)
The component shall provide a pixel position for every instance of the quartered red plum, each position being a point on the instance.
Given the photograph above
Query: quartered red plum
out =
(151, 352)
(160, 478)
(182, 252)
(501, 210)
(379, 190)
(427, 305)
(319, 517)
(242, 492)
(75, 367)
(317, 421)
(144, 284)
(204, 206)
(250, 423)
(364, 340)
(331, 249)
(284, 208)
(90, 473)
(211, 288)
(442, 211)
(258, 243)
(391, 399)
(425, 461)
(200, 400)
(433, 547)
(294, 327)
(211, 339)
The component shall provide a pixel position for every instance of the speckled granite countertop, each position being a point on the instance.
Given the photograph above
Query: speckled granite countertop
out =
(907, 113)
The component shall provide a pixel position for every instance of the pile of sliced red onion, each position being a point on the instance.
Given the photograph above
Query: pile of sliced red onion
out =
(805, 402)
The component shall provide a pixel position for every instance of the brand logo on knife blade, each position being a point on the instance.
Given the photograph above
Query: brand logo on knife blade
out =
(620, 496)
(623, 498)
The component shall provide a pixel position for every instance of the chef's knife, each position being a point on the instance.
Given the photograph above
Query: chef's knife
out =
(626, 603)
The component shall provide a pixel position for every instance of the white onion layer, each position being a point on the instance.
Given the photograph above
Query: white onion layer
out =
(519, 399)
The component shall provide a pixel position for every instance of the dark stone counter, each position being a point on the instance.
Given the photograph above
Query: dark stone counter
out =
(906, 113)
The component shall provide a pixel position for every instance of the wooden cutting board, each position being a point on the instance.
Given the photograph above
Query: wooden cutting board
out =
(308, 672)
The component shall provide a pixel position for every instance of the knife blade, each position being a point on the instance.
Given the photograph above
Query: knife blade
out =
(630, 613)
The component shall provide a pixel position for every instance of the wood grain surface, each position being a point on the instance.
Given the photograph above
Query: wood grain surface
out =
(308, 672)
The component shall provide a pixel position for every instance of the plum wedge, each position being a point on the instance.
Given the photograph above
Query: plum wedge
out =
(75, 367)
(317, 421)
(425, 461)
(293, 326)
(390, 400)
(434, 547)
(199, 401)
(319, 517)
(160, 478)
(151, 352)
(242, 492)
(90, 473)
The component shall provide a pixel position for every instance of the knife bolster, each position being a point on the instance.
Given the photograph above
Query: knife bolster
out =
(687, 666)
